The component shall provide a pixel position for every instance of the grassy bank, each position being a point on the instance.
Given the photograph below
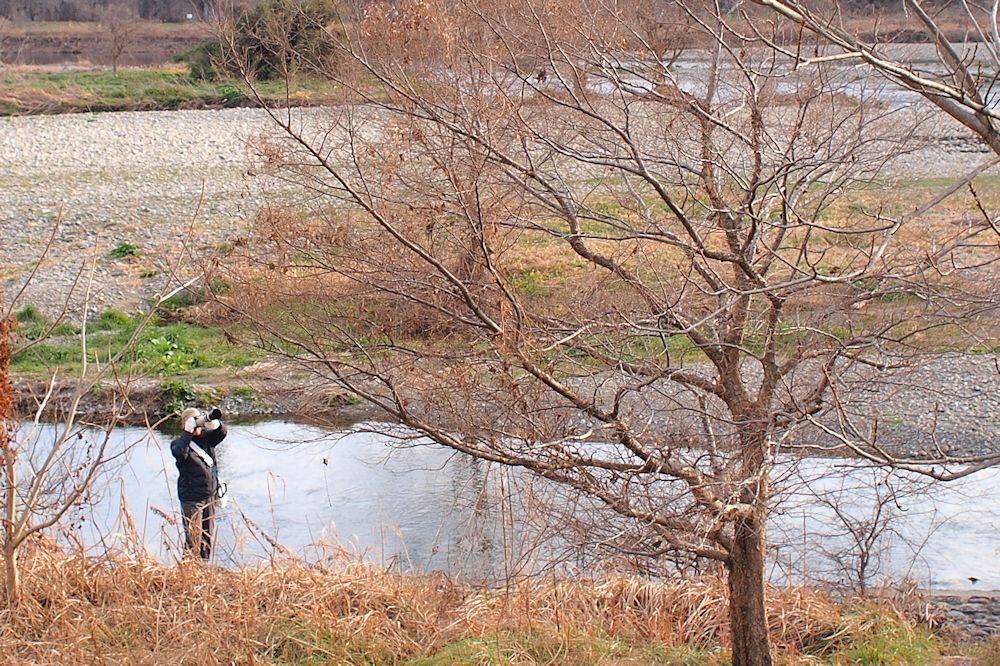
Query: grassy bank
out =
(132, 610)
(174, 354)
(46, 90)
(164, 347)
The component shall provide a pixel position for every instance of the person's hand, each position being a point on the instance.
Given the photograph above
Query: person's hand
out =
(190, 425)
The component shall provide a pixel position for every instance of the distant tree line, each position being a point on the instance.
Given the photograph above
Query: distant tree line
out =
(91, 10)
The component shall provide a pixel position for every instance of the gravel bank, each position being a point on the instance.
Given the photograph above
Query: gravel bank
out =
(150, 179)
(156, 178)
(970, 616)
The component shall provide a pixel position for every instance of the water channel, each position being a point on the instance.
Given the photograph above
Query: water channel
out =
(303, 491)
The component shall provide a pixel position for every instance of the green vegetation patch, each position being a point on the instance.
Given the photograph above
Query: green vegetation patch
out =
(162, 348)
(299, 641)
(32, 324)
(875, 636)
(40, 90)
(563, 647)
(125, 249)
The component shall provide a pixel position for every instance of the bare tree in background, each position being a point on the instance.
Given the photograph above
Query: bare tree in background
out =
(543, 244)
(4, 24)
(120, 24)
(844, 526)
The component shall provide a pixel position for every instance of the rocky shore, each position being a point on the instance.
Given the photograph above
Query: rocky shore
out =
(969, 615)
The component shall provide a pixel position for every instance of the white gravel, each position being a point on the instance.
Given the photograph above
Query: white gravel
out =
(150, 179)
(155, 178)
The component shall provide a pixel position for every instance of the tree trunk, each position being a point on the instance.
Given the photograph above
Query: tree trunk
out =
(12, 576)
(747, 613)
(8, 468)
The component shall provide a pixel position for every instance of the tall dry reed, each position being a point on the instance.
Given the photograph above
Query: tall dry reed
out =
(129, 609)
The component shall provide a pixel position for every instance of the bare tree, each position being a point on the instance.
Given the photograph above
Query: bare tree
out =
(119, 23)
(542, 244)
(850, 525)
(47, 471)
(4, 24)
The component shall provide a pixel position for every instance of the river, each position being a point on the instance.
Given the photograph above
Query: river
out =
(304, 491)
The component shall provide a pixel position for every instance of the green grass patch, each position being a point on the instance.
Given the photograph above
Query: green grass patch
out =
(302, 643)
(986, 347)
(640, 348)
(111, 320)
(563, 647)
(194, 295)
(125, 249)
(530, 283)
(987, 653)
(871, 636)
(162, 348)
(244, 392)
(32, 324)
(39, 90)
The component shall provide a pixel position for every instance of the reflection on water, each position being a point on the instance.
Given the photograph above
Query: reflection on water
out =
(299, 489)
(939, 535)
(310, 491)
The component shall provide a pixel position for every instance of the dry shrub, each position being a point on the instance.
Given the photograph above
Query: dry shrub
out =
(125, 609)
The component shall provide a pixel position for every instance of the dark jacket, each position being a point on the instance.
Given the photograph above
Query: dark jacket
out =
(197, 481)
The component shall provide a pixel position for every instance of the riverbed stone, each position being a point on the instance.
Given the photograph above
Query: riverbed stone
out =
(969, 615)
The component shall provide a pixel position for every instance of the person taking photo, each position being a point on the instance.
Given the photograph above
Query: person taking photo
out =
(198, 482)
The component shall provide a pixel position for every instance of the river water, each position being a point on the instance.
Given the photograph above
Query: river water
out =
(299, 490)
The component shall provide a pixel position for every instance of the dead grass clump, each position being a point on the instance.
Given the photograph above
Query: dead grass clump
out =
(77, 610)
(134, 610)
(690, 612)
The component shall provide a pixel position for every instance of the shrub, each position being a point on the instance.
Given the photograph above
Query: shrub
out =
(275, 38)
(202, 60)
(264, 33)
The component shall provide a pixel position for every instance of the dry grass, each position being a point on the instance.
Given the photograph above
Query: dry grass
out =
(134, 610)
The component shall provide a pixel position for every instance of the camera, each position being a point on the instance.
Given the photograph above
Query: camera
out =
(209, 421)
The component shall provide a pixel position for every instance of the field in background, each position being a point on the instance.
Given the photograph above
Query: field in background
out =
(83, 43)
(47, 90)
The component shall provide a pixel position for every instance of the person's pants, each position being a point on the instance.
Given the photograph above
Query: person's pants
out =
(199, 519)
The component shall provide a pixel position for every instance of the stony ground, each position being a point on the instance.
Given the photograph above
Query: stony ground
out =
(155, 180)
(161, 179)
(168, 182)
